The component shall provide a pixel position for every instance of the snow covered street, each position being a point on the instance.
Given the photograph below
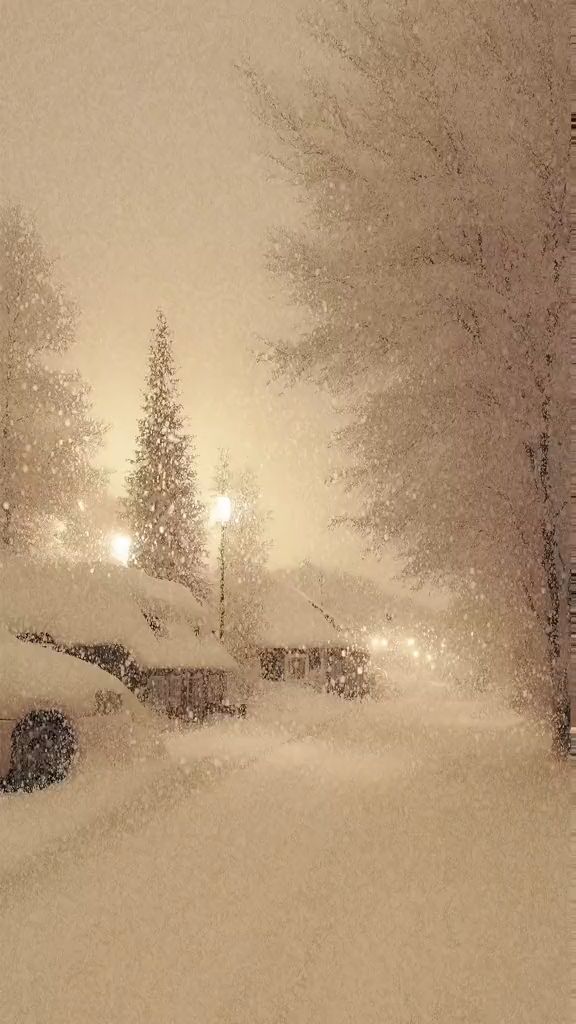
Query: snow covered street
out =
(401, 862)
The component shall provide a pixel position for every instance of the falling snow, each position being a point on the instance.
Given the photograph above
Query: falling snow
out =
(285, 727)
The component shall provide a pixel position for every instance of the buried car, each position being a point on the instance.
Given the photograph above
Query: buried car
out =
(79, 645)
(152, 635)
(55, 712)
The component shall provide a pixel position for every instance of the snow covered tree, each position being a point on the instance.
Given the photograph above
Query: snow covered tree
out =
(223, 473)
(246, 549)
(163, 510)
(47, 435)
(433, 152)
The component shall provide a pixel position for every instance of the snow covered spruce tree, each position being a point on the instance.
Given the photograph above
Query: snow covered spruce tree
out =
(47, 434)
(246, 550)
(433, 265)
(164, 512)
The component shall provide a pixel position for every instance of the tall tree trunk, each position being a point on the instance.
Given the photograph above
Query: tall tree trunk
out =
(560, 703)
(5, 465)
(7, 452)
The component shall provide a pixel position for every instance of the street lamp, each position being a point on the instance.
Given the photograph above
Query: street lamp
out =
(222, 515)
(120, 545)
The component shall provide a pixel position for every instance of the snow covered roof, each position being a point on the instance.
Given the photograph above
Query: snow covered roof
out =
(291, 620)
(106, 604)
(74, 603)
(161, 592)
(180, 648)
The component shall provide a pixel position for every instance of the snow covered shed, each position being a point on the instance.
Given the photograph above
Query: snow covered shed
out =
(300, 641)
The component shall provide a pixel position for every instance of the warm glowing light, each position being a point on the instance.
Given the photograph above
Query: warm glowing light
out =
(415, 653)
(222, 509)
(410, 641)
(120, 545)
(379, 641)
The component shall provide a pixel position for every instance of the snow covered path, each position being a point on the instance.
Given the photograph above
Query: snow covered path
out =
(384, 864)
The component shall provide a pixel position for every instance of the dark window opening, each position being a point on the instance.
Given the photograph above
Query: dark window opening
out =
(315, 659)
(297, 666)
(272, 663)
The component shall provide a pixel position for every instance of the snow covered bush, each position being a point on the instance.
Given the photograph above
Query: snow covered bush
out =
(432, 150)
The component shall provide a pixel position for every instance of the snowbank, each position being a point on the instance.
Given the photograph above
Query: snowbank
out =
(374, 869)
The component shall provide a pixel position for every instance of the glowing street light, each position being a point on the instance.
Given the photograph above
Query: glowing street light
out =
(120, 545)
(222, 509)
(379, 641)
(222, 515)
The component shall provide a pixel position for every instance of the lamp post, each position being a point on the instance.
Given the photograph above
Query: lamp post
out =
(222, 514)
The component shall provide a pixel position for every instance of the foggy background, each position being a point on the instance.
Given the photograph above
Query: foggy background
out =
(126, 131)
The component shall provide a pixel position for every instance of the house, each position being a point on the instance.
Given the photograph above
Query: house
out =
(301, 642)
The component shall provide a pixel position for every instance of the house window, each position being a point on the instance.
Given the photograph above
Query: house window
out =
(272, 664)
(315, 659)
(296, 666)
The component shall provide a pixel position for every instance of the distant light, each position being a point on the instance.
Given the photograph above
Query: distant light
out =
(379, 641)
(222, 509)
(81, 505)
(428, 657)
(120, 545)
(410, 641)
(415, 653)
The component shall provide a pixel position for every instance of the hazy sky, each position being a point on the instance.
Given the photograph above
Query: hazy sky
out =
(125, 129)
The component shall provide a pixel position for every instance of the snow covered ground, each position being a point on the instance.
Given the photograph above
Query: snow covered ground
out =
(396, 862)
